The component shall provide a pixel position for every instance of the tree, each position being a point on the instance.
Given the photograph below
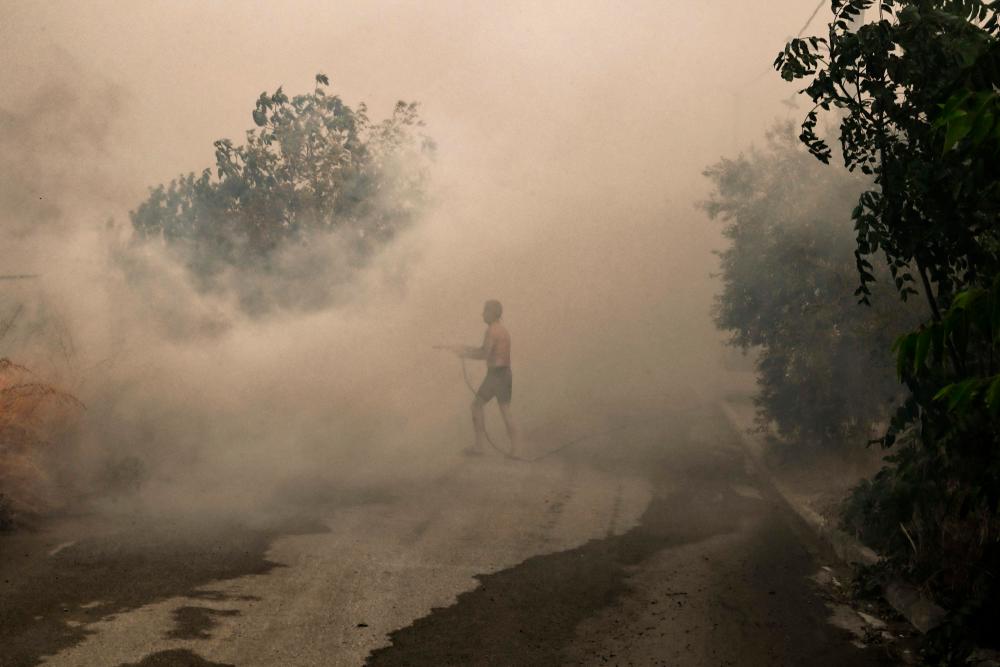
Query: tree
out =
(915, 91)
(822, 374)
(313, 167)
(931, 210)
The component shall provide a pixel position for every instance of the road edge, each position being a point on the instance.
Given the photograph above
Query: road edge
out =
(919, 611)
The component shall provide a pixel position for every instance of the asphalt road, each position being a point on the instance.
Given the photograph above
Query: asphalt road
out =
(651, 545)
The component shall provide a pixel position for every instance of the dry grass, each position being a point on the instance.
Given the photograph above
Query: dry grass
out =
(34, 418)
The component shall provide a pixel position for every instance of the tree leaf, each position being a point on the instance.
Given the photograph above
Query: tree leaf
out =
(922, 347)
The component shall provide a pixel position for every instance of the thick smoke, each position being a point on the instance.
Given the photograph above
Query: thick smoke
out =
(562, 189)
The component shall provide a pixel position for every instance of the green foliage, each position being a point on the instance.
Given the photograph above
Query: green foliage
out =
(312, 168)
(822, 374)
(896, 82)
(923, 356)
(969, 115)
(915, 94)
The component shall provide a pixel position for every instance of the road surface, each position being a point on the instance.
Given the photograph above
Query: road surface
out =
(653, 544)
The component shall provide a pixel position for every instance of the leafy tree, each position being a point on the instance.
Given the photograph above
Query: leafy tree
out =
(915, 90)
(932, 213)
(824, 379)
(313, 167)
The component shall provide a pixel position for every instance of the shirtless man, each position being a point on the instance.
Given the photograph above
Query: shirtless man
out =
(495, 350)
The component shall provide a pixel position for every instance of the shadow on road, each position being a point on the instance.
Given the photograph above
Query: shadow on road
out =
(530, 614)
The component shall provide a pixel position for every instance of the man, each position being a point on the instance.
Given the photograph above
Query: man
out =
(498, 383)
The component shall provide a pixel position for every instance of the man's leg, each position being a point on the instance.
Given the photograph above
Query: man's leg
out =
(508, 422)
(478, 422)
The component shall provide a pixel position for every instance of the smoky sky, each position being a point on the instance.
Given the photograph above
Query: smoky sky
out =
(575, 86)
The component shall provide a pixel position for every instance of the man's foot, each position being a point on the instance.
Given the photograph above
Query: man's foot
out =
(473, 451)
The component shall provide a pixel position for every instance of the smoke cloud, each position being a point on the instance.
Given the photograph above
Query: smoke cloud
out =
(571, 141)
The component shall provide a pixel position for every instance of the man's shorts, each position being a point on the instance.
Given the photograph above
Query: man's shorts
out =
(498, 383)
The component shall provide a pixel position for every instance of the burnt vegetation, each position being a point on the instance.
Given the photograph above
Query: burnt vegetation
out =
(34, 418)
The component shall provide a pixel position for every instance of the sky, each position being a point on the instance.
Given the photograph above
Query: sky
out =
(645, 86)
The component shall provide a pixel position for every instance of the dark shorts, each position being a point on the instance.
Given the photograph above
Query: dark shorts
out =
(498, 384)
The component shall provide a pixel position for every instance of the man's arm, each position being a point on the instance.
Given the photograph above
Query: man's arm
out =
(481, 352)
(461, 350)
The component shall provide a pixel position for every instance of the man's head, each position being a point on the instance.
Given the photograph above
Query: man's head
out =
(492, 310)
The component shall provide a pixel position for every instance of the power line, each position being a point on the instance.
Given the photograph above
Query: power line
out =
(805, 26)
(811, 17)
(740, 89)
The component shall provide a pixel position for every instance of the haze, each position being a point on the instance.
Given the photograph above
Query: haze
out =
(571, 139)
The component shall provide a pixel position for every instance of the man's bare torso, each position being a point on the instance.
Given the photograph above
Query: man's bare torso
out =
(497, 346)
